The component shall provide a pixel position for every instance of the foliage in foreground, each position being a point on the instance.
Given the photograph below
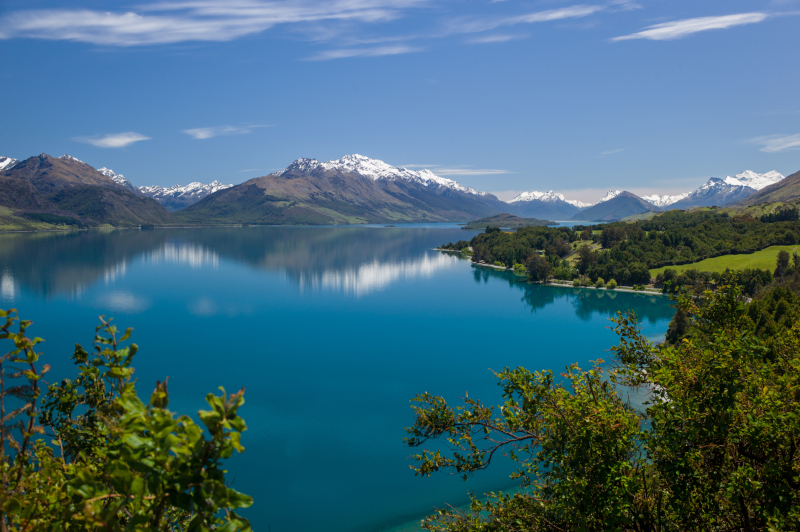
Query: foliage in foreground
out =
(714, 449)
(89, 455)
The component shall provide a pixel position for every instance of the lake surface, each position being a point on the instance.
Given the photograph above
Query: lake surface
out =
(331, 330)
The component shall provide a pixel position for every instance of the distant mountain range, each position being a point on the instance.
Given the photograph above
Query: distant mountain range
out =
(353, 189)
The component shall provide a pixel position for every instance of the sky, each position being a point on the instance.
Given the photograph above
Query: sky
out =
(650, 96)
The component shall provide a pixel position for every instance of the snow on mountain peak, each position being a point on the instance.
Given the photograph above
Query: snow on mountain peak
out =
(751, 179)
(71, 158)
(7, 163)
(611, 194)
(663, 200)
(376, 169)
(533, 195)
(579, 204)
(194, 190)
(116, 178)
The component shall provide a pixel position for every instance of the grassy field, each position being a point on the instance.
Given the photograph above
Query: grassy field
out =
(764, 260)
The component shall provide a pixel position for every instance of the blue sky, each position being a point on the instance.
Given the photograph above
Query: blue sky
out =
(652, 96)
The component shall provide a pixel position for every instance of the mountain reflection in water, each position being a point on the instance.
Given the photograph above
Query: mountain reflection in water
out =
(351, 260)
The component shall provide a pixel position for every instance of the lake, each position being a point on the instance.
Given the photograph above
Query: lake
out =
(331, 330)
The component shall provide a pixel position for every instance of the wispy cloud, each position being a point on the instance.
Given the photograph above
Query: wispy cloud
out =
(474, 25)
(777, 143)
(459, 170)
(490, 39)
(114, 140)
(376, 51)
(678, 29)
(611, 152)
(191, 20)
(202, 133)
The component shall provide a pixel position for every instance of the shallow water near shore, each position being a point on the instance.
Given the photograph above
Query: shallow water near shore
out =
(331, 330)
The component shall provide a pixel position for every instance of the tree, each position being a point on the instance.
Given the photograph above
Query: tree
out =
(782, 263)
(539, 269)
(115, 463)
(714, 449)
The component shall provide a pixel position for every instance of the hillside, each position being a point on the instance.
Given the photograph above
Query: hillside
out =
(786, 190)
(354, 189)
(618, 207)
(506, 221)
(66, 187)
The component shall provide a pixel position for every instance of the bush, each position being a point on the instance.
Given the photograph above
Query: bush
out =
(110, 461)
(576, 282)
(600, 283)
(611, 284)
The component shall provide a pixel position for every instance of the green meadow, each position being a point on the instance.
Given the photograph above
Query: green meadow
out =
(764, 259)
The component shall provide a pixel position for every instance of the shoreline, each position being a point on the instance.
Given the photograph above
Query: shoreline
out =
(566, 284)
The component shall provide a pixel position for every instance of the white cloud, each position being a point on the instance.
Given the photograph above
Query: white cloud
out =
(490, 39)
(486, 24)
(201, 133)
(344, 53)
(777, 143)
(611, 152)
(678, 29)
(193, 20)
(115, 140)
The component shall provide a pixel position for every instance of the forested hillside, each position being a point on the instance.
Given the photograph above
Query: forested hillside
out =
(626, 251)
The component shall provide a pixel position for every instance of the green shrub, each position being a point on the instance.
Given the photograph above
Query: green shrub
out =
(611, 284)
(576, 282)
(600, 283)
(88, 454)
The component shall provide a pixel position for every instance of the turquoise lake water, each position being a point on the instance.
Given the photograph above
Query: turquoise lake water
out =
(330, 330)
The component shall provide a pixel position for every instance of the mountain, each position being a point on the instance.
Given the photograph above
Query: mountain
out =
(718, 191)
(178, 197)
(7, 163)
(664, 200)
(118, 178)
(550, 205)
(787, 189)
(353, 189)
(616, 205)
(66, 186)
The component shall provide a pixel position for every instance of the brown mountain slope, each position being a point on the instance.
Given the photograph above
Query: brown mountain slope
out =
(787, 189)
(50, 174)
(67, 186)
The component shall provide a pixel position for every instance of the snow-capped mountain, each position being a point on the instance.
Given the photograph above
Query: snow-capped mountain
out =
(117, 178)
(663, 200)
(180, 196)
(549, 197)
(543, 205)
(377, 170)
(751, 179)
(7, 163)
(611, 194)
(718, 191)
(71, 158)
(579, 204)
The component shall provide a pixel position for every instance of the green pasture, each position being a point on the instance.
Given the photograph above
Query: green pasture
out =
(764, 260)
